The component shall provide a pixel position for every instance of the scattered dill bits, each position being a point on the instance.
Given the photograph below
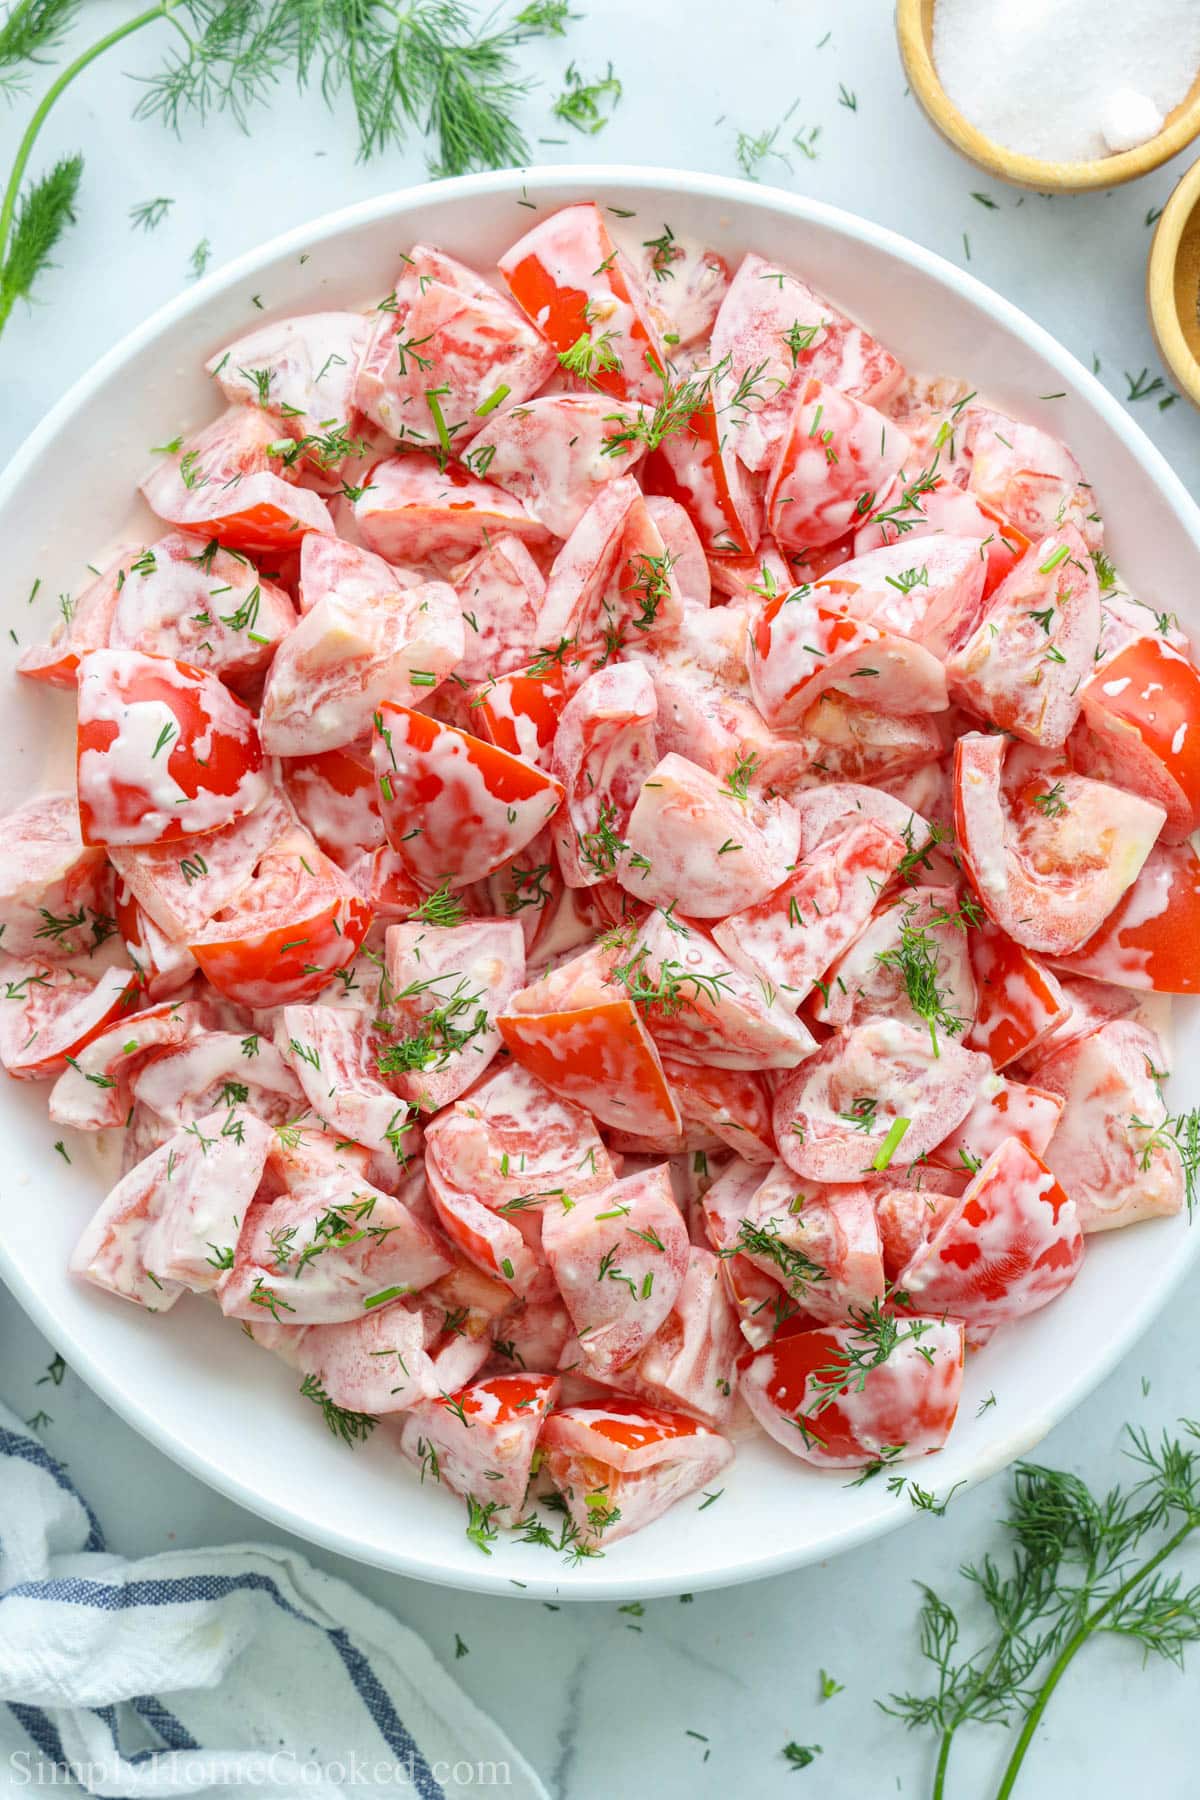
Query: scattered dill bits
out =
(801, 1755)
(147, 215)
(847, 97)
(1142, 385)
(199, 259)
(587, 106)
(545, 18)
(754, 149)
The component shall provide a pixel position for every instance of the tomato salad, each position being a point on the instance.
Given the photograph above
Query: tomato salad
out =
(625, 855)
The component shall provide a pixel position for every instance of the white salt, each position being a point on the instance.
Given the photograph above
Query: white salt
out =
(1128, 119)
(1067, 80)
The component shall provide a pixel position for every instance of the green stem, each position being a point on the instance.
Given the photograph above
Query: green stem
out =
(1077, 1639)
(943, 1762)
(25, 147)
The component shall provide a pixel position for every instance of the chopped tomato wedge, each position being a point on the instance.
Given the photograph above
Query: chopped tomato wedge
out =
(620, 1464)
(164, 751)
(803, 1391)
(520, 712)
(1142, 712)
(835, 460)
(618, 1257)
(569, 277)
(1011, 1244)
(1049, 852)
(234, 481)
(283, 935)
(49, 1011)
(1147, 940)
(482, 1439)
(443, 315)
(477, 806)
(1018, 1000)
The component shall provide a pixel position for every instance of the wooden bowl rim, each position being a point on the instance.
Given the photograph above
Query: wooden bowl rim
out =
(1009, 165)
(1160, 283)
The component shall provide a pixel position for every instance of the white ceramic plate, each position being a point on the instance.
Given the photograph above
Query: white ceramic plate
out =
(189, 1380)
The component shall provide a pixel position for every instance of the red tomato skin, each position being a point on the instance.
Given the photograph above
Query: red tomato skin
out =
(454, 807)
(285, 963)
(1143, 709)
(160, 792)
(1149, 940)
(1009, 1246)
(907, 1403)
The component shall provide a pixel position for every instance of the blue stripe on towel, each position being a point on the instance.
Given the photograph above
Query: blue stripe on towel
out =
(13, 1445)
(40, 1728)
(178, 1590)
(172, 1732)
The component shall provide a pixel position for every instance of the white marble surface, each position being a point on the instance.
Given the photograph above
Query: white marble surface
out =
(603, 1703)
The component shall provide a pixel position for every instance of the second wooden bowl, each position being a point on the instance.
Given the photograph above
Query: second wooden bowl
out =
(1173, 284)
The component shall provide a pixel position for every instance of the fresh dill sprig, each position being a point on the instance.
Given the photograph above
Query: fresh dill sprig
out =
(797, 1272)
(682, 397)
(45, 209)
(917, 856)
(741, 775)
(351, 1427)
(876, 1336)
(1143, 384)
(1180, 1132)
(439, 1037)
(670, 993)
(917, 955)
(590, 354)
(1081, 1566)
(755, 148)
(1106, 573)
(427, 67)
(441, 907)
(1051, 804)
(31, 29)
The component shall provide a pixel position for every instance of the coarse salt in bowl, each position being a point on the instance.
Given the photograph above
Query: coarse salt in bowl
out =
(1055, 95)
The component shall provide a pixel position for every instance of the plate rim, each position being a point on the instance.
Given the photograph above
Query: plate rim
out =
(605, 1583)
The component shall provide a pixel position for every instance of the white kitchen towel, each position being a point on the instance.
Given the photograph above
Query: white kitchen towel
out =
(238, 1667)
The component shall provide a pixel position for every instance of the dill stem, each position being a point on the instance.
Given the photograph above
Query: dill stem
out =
(943, 1761)
(25, 147)
(1084, 1630)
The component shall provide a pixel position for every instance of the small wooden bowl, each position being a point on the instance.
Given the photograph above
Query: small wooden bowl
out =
(1173, 284)
(914, 27)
